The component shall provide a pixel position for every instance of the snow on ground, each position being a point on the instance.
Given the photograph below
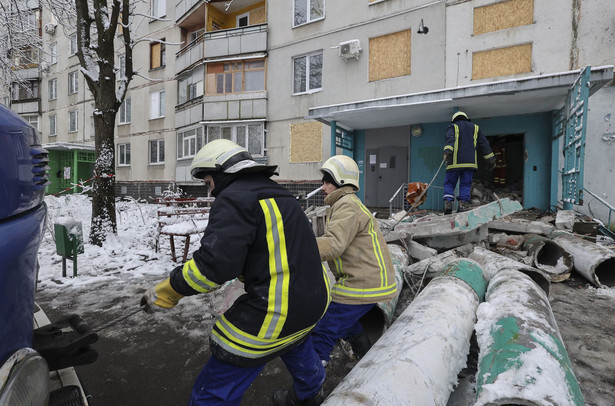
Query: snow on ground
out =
(112, 278)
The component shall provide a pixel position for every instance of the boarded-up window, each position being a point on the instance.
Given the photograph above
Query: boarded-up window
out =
(306, 142)
(389, 55)
(503, 15)
(157, 54)
(502, 61)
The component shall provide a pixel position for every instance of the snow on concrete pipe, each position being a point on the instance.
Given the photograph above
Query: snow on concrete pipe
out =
(377, 320)
(522, 359)
(595, 263)
(417, 360)
(549, 257)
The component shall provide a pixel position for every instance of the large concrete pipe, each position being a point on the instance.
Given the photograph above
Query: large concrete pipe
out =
(595, 263)
(430, 267)
(522, 359)
(549, 257)
(417, 360)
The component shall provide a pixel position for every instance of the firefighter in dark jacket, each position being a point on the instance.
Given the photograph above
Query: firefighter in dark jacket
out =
(258, 233)
(463, 140)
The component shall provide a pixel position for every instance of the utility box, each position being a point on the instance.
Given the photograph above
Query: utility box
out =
(69, 242)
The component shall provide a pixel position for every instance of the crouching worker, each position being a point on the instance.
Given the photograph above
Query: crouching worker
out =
(257, 232)
(358, 256)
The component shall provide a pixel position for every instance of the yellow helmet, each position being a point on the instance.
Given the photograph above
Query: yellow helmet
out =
(224, 155)
(459, 114)
(343, 170)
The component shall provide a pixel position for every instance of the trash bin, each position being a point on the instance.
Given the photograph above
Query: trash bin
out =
(69, 242)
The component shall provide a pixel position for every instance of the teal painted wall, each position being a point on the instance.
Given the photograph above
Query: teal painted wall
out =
(426, 155)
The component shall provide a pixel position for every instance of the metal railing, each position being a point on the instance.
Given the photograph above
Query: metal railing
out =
(398, 202)
(608, 206)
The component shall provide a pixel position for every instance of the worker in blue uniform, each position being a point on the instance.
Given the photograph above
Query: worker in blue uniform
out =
(258, 233)
(463, 140)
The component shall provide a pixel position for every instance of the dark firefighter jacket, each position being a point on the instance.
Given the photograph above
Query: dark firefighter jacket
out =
(257, 232)
(463, 140)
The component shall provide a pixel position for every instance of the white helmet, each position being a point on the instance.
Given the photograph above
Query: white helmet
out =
(459, 114)
(224, 155)
(343, 170)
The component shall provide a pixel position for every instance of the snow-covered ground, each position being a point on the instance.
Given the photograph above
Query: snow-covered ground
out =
(112, 278)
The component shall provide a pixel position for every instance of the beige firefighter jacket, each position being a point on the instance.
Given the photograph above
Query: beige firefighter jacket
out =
(356, 251)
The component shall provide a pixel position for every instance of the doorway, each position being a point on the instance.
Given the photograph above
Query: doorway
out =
(386, 169)
(510, 178)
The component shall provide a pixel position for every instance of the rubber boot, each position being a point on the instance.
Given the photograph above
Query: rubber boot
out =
(360, 344)
(463, 206)
(448, 207)
(284, 397)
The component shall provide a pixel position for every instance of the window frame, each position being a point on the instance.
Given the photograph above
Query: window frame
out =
(159, 151)
(123, 154)
(53, 53)
(73, 44)
(125, 111)
(308, 18)
(75, 114)
(221, 74)
(232, 131)
(307, 57)
(73, 82)
(183, 142)
(52, 88)
(157, 98)
(53, 125)
(157, 48)
(159, 8)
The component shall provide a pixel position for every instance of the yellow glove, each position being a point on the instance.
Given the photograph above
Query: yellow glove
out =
(161, 295)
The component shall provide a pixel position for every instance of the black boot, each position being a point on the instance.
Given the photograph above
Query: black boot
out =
(285, 397)
(463, 206)
(448, 207)
(360, 344)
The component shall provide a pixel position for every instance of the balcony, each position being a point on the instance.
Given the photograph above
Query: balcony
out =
(185, 6)
(235, 41)
(189, 55)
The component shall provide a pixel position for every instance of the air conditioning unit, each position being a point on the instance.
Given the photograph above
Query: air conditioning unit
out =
(350, 49)
(50, 28)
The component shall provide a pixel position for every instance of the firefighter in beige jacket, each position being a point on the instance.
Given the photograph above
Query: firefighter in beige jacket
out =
(358, 256)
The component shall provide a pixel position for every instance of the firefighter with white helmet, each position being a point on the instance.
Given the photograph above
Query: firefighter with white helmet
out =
(258, 233)
(358, 256)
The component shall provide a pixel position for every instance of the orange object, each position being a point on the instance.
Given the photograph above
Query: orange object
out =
(415, 189)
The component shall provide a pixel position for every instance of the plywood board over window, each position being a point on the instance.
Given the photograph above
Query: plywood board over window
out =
(503, 15)
(306, 142)
(389, 55)
(502, 61)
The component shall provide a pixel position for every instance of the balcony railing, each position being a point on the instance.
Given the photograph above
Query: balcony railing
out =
(188, 55)
(236, 41)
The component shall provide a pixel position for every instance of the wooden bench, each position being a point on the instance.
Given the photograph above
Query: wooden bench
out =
(182, 217)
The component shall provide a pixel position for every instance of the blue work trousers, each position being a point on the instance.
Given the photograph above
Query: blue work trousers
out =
(340, 321)
(465, 184)
(220, 383)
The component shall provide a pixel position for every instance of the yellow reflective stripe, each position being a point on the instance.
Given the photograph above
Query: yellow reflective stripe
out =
(456, 147)
(327, 282)
(475, 141)
(375, 244)
(247, 345)
(356, 292)
(277, 307)
(488, 156)
(462, 166)
(448, 147)
(196, 279)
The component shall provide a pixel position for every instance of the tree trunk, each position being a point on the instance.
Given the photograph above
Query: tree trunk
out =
(103, 194)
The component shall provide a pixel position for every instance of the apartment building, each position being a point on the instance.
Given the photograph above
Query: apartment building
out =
(380, 80)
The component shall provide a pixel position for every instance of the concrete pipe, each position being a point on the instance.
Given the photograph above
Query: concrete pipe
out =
(549, 257)
(595, 263)
(522, 359)
(417, 360)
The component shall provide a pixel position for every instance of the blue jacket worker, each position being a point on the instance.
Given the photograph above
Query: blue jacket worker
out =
(258, 233)
(463, 140)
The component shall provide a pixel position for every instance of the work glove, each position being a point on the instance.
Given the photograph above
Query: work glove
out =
(491, 164)
(448, 158)
(160, 296)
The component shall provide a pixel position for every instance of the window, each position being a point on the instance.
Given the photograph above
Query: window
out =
(188, 90)
(307, 73)
(189, 142)
(157, 104)
(122, 65)
(237, 77)
(157, 54)
(24, 91)
(248, 135)
(159, 8)
(243, 20)
(53, 89)
(196, 34)
(125, 112)
(73, 44)
(53, 53)
(123, 154)
(156, 152)
(32, 120)
(53, 120)
(73, 82)
(73, 121)
(306, 11)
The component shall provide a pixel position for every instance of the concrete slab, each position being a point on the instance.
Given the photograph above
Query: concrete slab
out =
(564, 220)
(521, 226)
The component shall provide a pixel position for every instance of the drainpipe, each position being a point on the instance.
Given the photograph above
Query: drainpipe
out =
(522, 359)
(333, 136)
(420, 355)
(549, 257)
(594, 262)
